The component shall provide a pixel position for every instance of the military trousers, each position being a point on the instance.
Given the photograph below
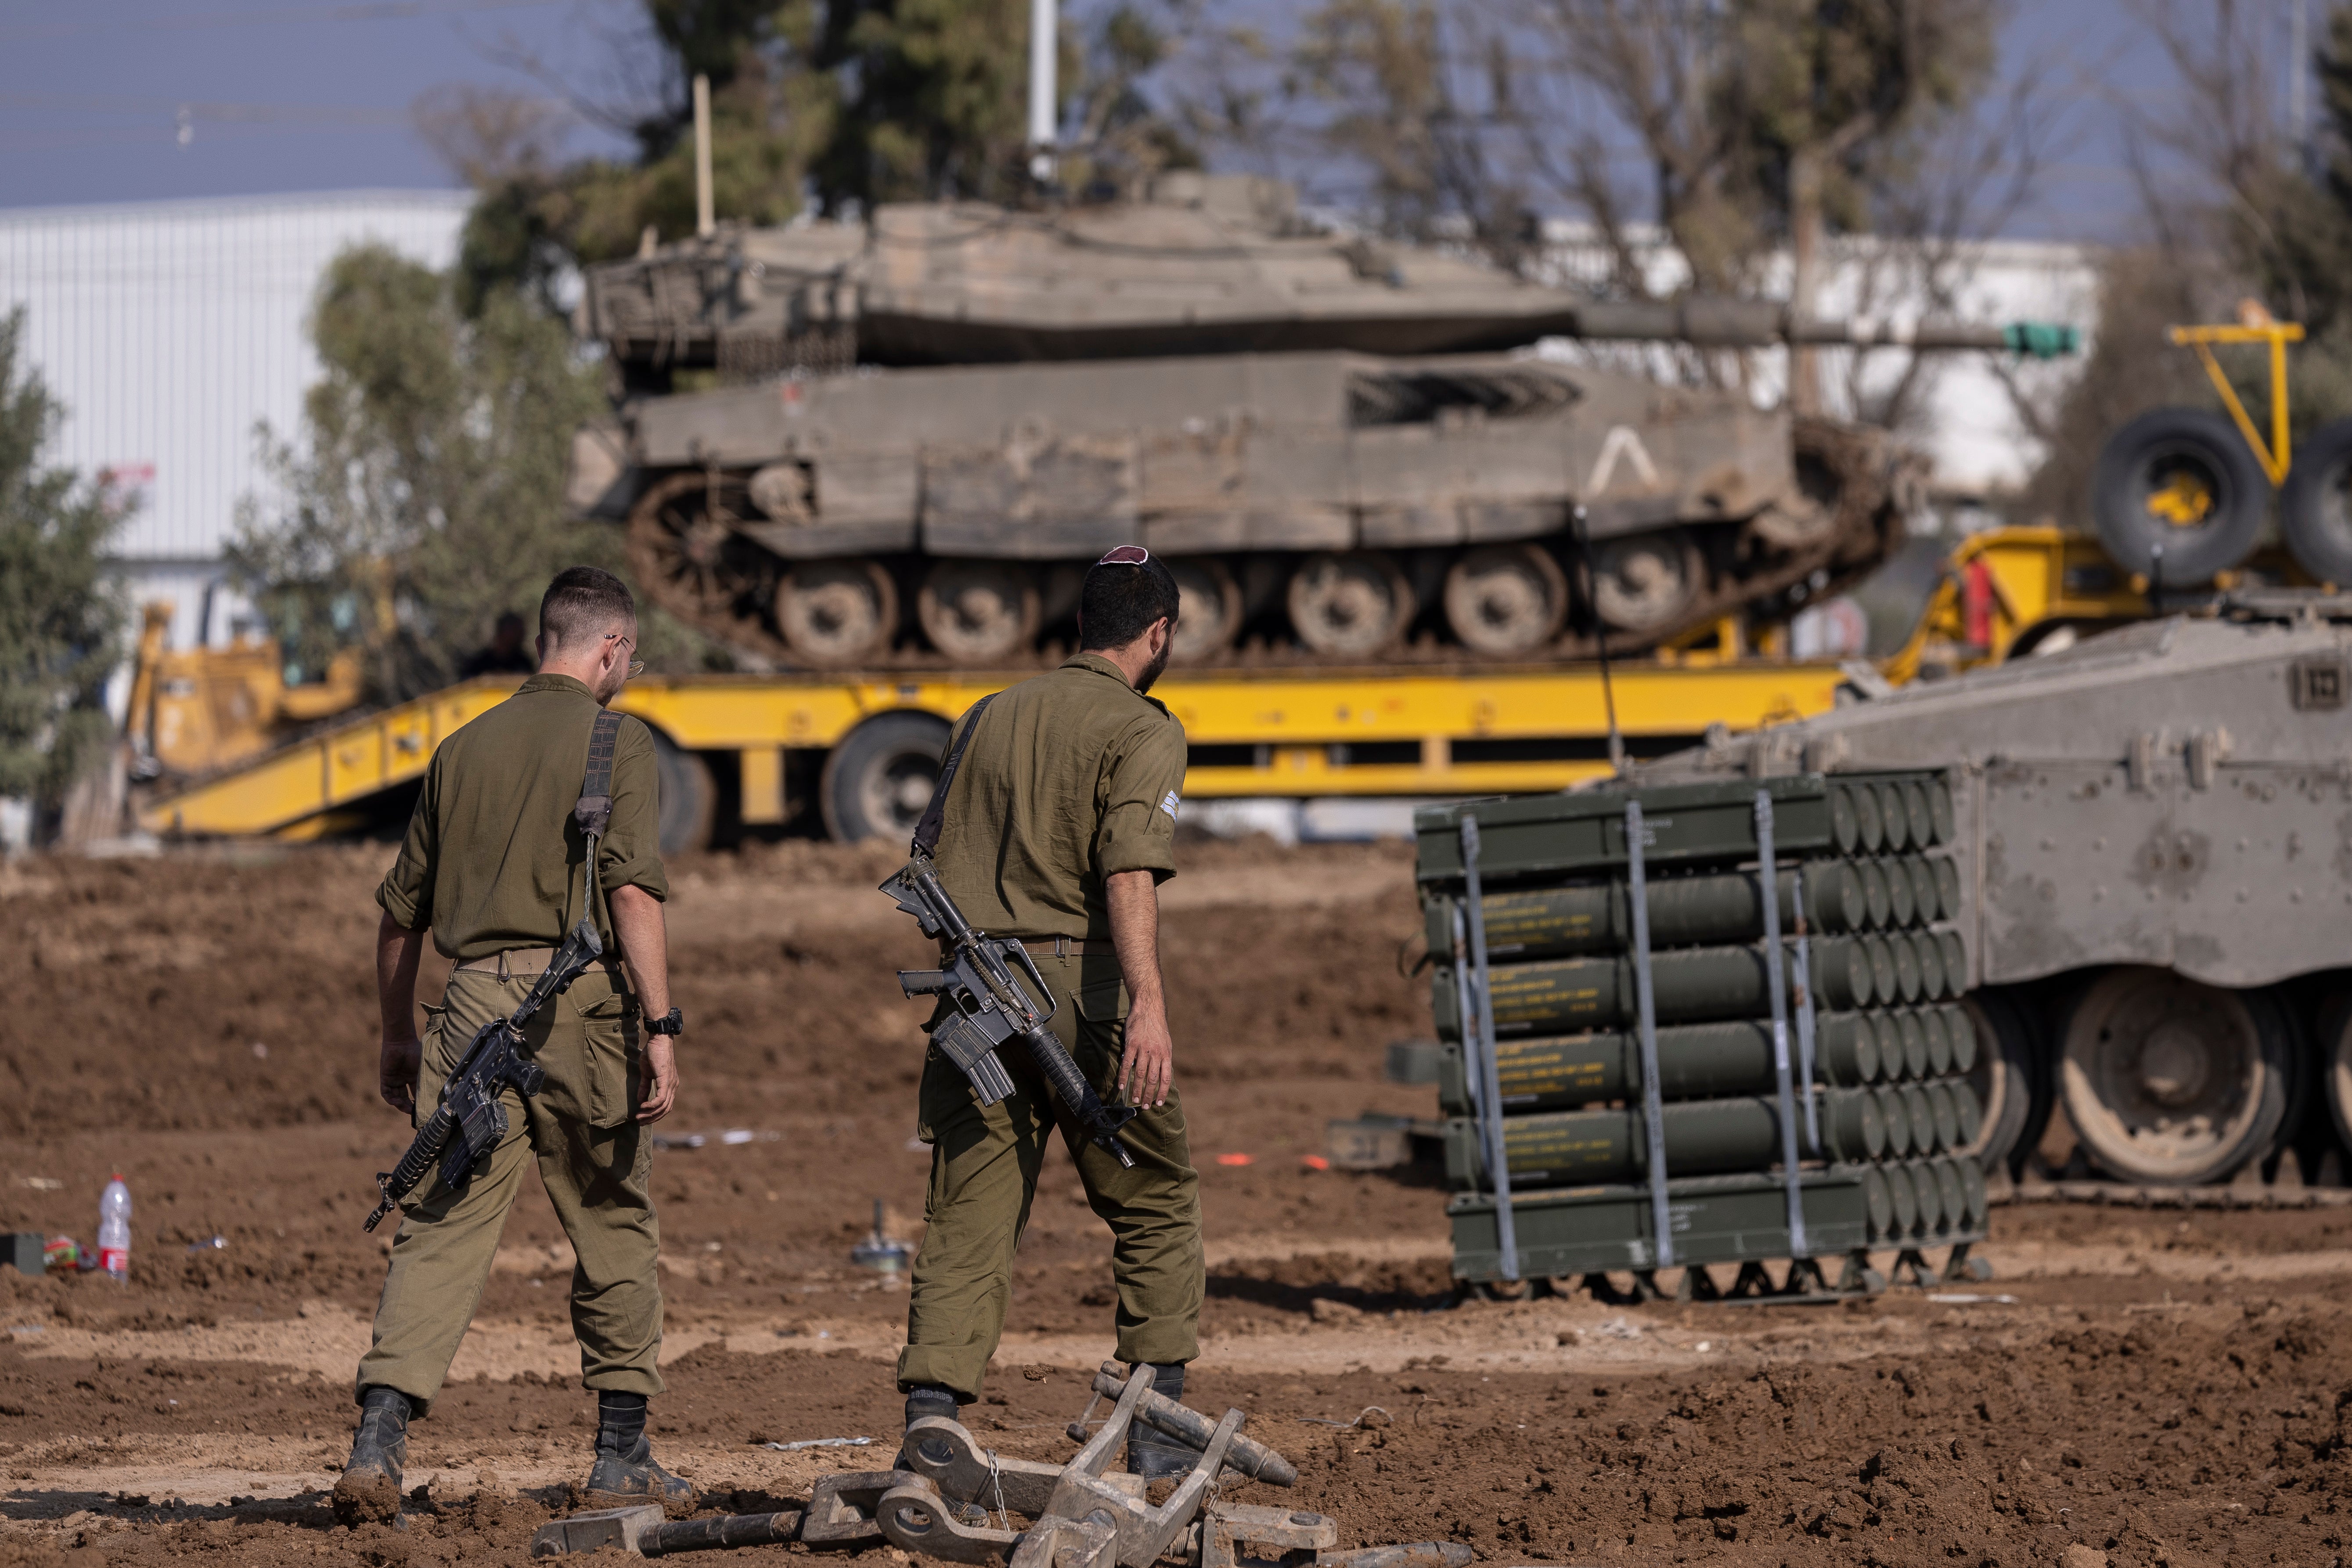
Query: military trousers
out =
(595, 1162)
(985, 1167)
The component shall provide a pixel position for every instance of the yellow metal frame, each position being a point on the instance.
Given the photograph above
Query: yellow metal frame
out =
(2275, 456)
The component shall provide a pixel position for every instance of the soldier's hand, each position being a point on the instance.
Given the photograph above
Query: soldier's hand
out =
(396, 1073)
(661, 1079)
(1148, 1063)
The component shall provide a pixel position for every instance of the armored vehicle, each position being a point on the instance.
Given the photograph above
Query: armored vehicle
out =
(1345, 449)
(2153, 851)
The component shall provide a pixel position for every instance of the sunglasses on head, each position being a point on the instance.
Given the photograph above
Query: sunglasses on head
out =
(1126, 555)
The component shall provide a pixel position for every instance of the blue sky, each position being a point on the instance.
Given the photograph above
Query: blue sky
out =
(137, 99)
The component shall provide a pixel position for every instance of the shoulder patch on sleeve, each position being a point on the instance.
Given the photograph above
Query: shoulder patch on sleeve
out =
(1169, 802)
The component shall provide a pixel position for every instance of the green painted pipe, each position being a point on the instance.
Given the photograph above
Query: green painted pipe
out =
(1704, 1137)
(1693, 985)
(1695, 1061)
(1684, 911)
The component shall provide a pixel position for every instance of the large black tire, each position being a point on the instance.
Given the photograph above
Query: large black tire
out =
(2011, 1079)
(2315, 508)
(879, 779)
(688, 802)
(2180, 479)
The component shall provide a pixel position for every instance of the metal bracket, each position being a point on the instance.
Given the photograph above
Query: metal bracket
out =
(1777, 984)
(1654, 1115)
(1499, 1164)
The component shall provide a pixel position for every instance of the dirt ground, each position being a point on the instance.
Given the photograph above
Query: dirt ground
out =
(2154, 1386)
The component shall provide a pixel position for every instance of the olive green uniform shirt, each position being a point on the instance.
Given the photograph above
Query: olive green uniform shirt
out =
(1072, 776)
(492, 856)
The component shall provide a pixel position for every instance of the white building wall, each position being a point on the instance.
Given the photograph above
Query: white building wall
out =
(170, 330)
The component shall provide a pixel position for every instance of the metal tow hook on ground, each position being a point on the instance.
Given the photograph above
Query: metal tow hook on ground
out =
(1083, 1514)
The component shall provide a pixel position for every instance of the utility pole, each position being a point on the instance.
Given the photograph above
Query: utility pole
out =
(1044, 122)
(706, 220)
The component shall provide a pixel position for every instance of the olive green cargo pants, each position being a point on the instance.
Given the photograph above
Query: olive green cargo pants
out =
(595, 1162)
(984, 1166)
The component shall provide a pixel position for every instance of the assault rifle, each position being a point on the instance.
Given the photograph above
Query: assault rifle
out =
(989, 1005)
(471, 1118)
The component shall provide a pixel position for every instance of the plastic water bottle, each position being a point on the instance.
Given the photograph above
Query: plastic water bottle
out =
(114, 1229)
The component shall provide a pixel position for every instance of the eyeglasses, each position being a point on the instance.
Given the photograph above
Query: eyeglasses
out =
(1126, 555)
(636, 666)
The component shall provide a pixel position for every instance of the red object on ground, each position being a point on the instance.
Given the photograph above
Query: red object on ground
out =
(1236, 1159)
(1314, 1162)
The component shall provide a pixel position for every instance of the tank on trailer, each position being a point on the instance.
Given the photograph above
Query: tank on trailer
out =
(2154, 847)
(940, 415)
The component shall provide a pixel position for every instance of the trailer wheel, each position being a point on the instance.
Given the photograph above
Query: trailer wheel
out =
(879, 778)
(2009, 1084)
(687, 802)
(2335, 1061)
(2175, 1083)
(2315, 510)
(2181, 479)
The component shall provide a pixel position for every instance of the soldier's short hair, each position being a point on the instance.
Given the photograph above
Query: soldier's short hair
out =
(583, 601)
(1124, 593)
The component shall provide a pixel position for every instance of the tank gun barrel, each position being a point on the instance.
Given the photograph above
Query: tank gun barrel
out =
(1715, 323)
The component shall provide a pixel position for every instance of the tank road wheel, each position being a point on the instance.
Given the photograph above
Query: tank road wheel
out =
(2315, 510)
(683, 548)
(1810, 515)
(1350, 604)
(979, 612)
(2181, 479)
(2172, 1082)
(881, 776)
(1505, 599)
(1208, 608)
(835, 613)
(1646, 584)
(686, 801)
(2011, 1090)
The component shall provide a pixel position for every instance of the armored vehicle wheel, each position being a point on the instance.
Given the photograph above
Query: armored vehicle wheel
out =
(1646, 584)
(835, 613)
(978, 611)
(2315, 508)
(686, 802)
(1506, 598)
(2171, 1083)
(2181, 479)
(2335, 1053)
(879, 778)
(684, 549)
(1355, 604)
(1209, 609)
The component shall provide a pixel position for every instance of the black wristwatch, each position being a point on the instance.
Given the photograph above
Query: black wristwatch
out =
(670, 1023)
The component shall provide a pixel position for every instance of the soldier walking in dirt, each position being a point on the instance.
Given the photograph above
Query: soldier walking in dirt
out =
(491, 866)
(1059, 826)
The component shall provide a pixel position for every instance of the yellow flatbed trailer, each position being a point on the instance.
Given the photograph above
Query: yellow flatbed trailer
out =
(871, 744)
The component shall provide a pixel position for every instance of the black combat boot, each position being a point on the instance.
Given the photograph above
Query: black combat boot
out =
(369, 1488)
(928, 1399)
(624, 1472)
(1151, 1453)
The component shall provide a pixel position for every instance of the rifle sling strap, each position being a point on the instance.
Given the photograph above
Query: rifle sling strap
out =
(927, 831)
(594, 814)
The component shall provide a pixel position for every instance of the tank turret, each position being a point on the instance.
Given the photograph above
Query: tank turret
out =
(907, 437)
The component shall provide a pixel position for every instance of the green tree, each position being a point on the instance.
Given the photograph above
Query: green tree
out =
(426, 494)
(60, 622)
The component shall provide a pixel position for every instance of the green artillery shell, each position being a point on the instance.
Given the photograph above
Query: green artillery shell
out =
(1947, 1120)
(1908, 984)
(1940, 1039)
(1930, 954)
(1963, 1030)
(1922, 816)
(1693, 984)
(1914, 1035)
(1897, 1118)
(1844, 976)
(1931, 1198)
(1890, 1046)
(1902, 895)
(1923, 1118)
(1905, 1195)
(1695, 1061)
(1956, 962)
(1974, 1199)
(1870, 828)
(1884, 983)
(1924, 899)
(1684, 911)
(1939, 812)
(1954, 1196)
(1878, 1204)
(1704, 1137)
(1897, 818)
(1877, 891)
(1967, 1111)
(1947, 888)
